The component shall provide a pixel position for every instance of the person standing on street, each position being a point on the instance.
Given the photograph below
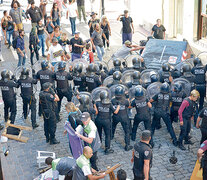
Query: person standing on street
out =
(142, 157)
(47, 99)
(77, 46)
(94, 20)
(35, 14)
(186, 113)
(72, 13)
(16, 13)
(97, 42)
(81, 7)
(10, 30)
(128, 27)
(4, 24)
(43, 5)
(33, 44)
(106, 30)
(60, 4)
(55, 14)
(158, 30)
(21, 50)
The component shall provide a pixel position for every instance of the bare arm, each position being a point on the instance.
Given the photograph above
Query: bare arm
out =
(146, 169)
(118, 19)
(132, 27)
(200, 154)
(56, 98)
(149, 105)
(86, 139)
(95, 109)
(117, 109)
(91, 177)
(198, 121)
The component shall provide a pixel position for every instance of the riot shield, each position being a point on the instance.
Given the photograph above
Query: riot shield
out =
(153, 89)
(104, 64)
(108, 81)
(129, 60)
(95, 94)
(186, 85)
(67, 68)
(132, 92)
(112, 89)
(83, 93)
(187, 61)
(127, 76)
(145, 76)
(82, 61)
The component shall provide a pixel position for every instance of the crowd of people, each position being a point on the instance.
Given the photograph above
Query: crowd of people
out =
(105, 98)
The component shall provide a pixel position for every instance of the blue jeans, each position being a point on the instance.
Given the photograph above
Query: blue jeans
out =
(22, 60)
(73, 25)
(126, 36)
(57, 22)
(42, 43)
(100, 52)
(9, 34)
(75, 56)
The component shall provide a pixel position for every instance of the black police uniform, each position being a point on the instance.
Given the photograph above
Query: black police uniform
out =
(162, 111)
(199, 71)
(142, 114)
(122, 117)
(203, 127)
(63, 89)
(103, 121)
(48, 109)
(164, 77)
(9, 98)
(92, 81)
(190, 77)
(177, 99)
(79, 80)
(118, 68)
(28, 97)
(142, 151)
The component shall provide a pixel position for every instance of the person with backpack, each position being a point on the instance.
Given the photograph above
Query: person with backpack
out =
(88, 54)
(4, 23)
(55, 14)
(33, 44)
(128, 27)
(10, 30)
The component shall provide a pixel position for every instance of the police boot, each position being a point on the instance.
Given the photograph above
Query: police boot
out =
(108, 151)
(47, 139)
(1, 127)
(54, 141)
(175, 143)
(180, 145)
(188, 142)
(128, 148)
(133, 137)
(35, 126)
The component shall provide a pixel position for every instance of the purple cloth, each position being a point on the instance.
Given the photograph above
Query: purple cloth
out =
(74, 140)
(126, 36)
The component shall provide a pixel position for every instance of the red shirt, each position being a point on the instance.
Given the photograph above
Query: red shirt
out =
(90, 57)
(184, 104)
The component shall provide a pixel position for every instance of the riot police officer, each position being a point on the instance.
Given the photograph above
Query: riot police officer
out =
(117, 75)
(177, 98)
(117, 66)
(138, 64)
(92, 80)
(104, 110)
(63, 88)
(165, 75)
(9, 96)
(186, 69)
(142, 105)
(199, 71)
(79, 77)
(162, 110)
(47, 99)
(122, 116)
(26, 84)
(135, 80)
(45, 75)
(102, 71)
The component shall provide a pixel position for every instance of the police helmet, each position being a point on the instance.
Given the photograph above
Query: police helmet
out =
(186, 68)
(196, 61)
(178, 87)
(61, 65)
(165, 67)
(44, 64)
(165, 88)
(154, 78)
(117, 75)
(46, 85)
(90, 68)
(104, 96)
(24, 72)
(5, 74)
(119, 91)
(136, 62)
(136, 75)
(117, 62)
(84, 99)
(139, 92)
(79, 67)
(96, 68)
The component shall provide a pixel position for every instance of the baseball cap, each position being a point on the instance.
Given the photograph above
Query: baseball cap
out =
(127, 42)
(77, 32)
(85, 116)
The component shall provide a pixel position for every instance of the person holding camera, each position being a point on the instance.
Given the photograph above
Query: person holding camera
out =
(48, 99)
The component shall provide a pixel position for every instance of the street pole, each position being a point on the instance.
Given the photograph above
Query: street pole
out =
(1, 172)
(103, 7)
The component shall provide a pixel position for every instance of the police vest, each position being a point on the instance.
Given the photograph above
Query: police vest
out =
(165, 77)
(190, 77)
(141, 105)
(177, 99)
(163, 101)
(62, 79)
(200, 77)
(188, 111)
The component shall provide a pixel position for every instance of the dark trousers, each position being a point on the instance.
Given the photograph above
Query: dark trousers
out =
(61, 95)
(201, 88)
(49, 124)
(173, 115)
(203, 134)
(10, 105)
(158, 114)
(126, 36)
(31, 103)
(32, 55)
(93, 161)
(137, 120)
(81, 9)
(104, 41)
(185, 130)
(125, 122)
(104, 124)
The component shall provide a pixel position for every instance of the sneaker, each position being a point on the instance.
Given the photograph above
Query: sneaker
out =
(54, 141)
(188, 142)
(128, 148)
(182, 147)
(35, 126)
(108, 151)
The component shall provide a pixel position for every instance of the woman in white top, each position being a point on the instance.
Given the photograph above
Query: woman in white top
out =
(72, 13)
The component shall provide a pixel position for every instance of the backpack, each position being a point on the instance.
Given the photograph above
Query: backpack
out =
(14, 42)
